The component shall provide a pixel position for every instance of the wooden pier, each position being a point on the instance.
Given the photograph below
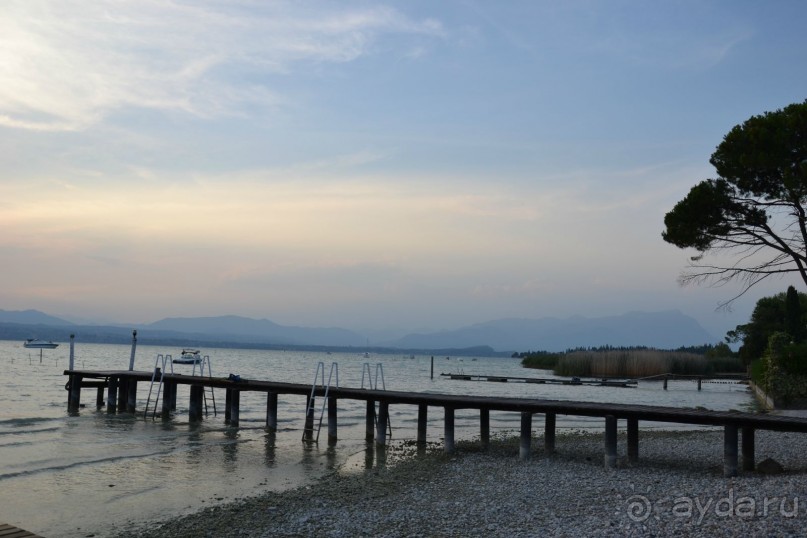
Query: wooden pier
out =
(599, 382)
(604, 381)
(122, 386)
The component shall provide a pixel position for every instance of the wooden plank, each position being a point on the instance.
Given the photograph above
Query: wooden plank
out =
(9, 531)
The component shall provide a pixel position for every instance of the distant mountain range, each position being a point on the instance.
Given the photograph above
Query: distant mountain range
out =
(259, 330)
(664, 330)
(30, 317)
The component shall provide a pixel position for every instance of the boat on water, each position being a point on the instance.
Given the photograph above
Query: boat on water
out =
(188, 356)
(33, 343)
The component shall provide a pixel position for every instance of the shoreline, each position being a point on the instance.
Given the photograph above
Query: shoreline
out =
(676, 487)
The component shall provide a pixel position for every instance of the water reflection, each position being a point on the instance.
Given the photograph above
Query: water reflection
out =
(270, 443)
(230, 447)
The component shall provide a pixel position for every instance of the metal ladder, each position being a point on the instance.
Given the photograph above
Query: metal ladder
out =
(308, 428)
(372, 383)
(204, 365)
(161, 364)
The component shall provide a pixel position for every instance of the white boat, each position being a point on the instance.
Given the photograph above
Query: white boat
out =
(33, 343)
(189, 356)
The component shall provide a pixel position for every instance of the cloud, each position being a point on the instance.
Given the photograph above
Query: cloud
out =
(66, 64)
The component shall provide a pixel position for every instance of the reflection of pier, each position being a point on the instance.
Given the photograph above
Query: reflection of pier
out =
(599, 382)
(122, 387)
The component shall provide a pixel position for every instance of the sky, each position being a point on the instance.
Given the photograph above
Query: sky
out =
(384, 167)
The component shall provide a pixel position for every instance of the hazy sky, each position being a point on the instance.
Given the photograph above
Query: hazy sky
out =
(404, 165)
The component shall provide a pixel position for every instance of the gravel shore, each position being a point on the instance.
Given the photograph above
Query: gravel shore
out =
(677, 487)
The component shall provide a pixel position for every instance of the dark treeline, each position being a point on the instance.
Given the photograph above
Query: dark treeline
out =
(720, 349)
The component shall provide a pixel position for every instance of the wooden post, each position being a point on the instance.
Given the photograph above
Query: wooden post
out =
(131, 401)
(665, 382)
(369, 434)
(174, 390)
(526, 435)
(748, 449)
(331, 421)
(228, 401)
(633, 440)
(449, 430)
(308, 428)
(423, 415)
(549, 433)
(699, 383)
(74, 396)
(381, 426)
(169, 397)
(123, 394)
(72, 351)
(196, 403)
(271, 411)
(112, 395)
(730, 450)
(235, 407)
(134, 347)
(610, 441)
(484, 427)
(99, 398)
(432, 367)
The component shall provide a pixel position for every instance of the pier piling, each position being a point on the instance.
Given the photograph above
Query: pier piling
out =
(112, 395)
(526, 435)
(633, 440)
(169, 398)
(449, 430)
(369, 429)
(610, 441)
(271, 411)
(131, 400)
(235, 407)
(423, 415)
(308, 428)
(123, 394)
(748, 449)
(331, 421)
(730, 450)
(381, 425)
(196, 403)
(549, 433)
(74, 397)
(484, 427)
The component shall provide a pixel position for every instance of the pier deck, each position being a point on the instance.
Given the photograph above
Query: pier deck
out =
(121, 386)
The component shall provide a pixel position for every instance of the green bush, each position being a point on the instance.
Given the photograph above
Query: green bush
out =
(542, 361)
(758, 372)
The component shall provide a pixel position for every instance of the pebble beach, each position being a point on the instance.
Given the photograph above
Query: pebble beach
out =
(677, 487)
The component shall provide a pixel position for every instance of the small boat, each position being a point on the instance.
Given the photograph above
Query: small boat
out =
(33, 343)
(189, 356)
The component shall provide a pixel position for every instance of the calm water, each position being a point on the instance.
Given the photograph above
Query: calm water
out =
(71, 476)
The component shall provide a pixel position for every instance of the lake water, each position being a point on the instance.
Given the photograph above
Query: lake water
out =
(93, 472)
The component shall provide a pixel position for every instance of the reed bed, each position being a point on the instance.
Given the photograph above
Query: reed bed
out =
(640, 363)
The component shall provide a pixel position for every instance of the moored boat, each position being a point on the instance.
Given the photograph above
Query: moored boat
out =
(33, 343)
(189, 356)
